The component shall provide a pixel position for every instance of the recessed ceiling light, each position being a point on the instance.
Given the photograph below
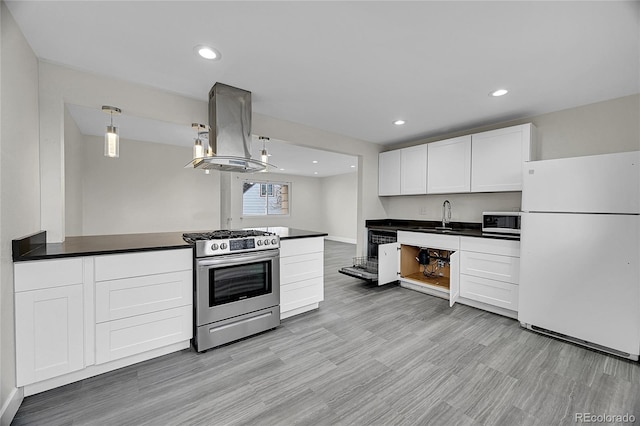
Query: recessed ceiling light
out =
(353, 167)
(315, 161)
(207, 52)
(499, 92)
(282, 170)
(399, 122)
(315, 173)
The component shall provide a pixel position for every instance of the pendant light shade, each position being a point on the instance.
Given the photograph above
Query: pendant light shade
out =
(201, 147)
(111, 138)
(264, 156)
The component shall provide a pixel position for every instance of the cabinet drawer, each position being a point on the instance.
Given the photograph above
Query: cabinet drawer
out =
(491, 266)
(491, 292)
(115, 266)
(301, 294)
(127, 297)
(423, 239)
(41, 274)
(491, 246)
(300, 268)
(301, 246)
(131, 336)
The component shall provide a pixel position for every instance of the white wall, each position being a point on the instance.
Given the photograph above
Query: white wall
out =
(305, 202)
(74, 153)
(600, 128)
(60, 84)
(339, 206)
(19, 183)
(146, 189)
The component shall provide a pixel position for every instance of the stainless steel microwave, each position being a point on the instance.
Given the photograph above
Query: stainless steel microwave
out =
(501, 222)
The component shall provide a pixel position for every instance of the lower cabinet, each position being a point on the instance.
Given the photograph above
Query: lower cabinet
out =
(301, 275)
(77, 317)
(49, 333)
(489, 274)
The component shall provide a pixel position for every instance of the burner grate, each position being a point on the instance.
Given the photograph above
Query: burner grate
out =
(191, 237)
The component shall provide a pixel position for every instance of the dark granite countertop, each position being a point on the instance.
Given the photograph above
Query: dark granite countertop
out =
(286, 233)
(35, 247)
(463, 229)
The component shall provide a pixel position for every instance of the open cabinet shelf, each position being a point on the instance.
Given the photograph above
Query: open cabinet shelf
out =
(410, 269)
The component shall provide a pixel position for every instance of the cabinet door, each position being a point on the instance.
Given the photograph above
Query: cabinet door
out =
(454, 278)
(413, 170)
(389, 173)
(497, 158)
(388, 263)
(49, 333)
(449, 166)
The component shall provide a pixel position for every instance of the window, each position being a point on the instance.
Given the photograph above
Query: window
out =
(265, 198)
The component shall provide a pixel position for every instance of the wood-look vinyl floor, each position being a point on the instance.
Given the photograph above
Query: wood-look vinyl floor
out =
(369, 355)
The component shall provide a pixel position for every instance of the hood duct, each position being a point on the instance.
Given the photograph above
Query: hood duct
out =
(229, 133)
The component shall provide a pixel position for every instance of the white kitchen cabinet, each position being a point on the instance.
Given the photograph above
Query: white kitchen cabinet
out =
(49, 319)
(301, 275)
(445, 283)
(498, 156)
(489, 274)
(389, 173)
(81, 316)
(449, 166)
(143, 302)
(413, 170)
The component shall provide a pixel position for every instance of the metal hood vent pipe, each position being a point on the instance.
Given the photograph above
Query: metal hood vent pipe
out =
(230, 133)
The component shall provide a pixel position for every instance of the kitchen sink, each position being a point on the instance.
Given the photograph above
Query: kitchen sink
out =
(437, 229)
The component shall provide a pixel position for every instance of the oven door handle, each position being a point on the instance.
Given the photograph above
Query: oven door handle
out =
(238, 259)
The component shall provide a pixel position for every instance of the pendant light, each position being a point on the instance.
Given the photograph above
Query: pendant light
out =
(264, 157)
(200, 149)
(111, 138)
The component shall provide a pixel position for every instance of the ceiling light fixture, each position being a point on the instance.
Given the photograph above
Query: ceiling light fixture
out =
(399, 122)
(499, 92)
(353, 167)
(315, 173)
(111, 138)
(315, 161)
(264, 156)
(208, 52)
(200, 149)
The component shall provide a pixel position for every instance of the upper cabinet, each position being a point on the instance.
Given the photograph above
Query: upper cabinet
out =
(389, 173)
(449, 166)
(497, 157)
(483, 162)
(403, 171)
(413, 170)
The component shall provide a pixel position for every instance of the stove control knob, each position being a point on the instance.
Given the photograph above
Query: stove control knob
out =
(266, 242)
(259, 242)
(214, 246)
(223, 246)
(274, 241)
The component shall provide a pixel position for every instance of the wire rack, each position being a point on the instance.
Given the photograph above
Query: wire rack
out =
(369, 264)
(383, 239)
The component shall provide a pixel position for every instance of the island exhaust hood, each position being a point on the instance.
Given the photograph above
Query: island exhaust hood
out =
(229, 133)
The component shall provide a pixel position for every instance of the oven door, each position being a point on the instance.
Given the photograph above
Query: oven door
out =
(232, 285)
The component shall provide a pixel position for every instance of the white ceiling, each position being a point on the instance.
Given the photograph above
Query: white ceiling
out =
(352, 67)
(289, 158)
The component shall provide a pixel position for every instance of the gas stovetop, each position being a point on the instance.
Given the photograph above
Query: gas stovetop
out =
(216, 243)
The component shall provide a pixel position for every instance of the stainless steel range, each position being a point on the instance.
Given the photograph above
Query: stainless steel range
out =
(236, 284)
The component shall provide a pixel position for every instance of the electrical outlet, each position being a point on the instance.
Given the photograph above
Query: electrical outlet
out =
(423, 211)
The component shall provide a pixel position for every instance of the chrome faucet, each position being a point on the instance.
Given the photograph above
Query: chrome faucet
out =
(446, 213)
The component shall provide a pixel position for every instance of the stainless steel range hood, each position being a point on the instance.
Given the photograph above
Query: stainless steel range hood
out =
(230, 133)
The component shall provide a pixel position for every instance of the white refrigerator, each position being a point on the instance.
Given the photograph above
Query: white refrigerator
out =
(580, 258)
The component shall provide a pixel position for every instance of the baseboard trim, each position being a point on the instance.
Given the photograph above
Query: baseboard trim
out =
(11, 406)
(342, 239)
